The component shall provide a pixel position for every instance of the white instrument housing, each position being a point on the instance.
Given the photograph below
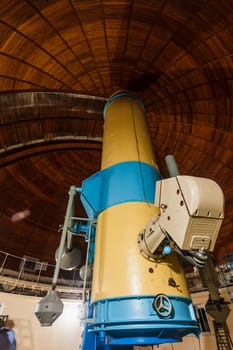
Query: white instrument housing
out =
(191, 211)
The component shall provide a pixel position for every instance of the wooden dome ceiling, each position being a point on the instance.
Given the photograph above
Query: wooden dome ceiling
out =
(61, 59)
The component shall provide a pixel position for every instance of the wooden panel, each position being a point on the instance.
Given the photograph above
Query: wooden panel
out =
(177, 56)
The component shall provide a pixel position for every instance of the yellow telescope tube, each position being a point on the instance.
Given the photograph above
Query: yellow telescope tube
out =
(119, 268)
(133, 299)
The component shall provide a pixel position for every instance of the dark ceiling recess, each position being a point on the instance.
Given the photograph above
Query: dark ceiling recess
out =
(142, 83)
(61, 60)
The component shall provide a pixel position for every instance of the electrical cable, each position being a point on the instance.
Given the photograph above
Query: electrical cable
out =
(138, 153)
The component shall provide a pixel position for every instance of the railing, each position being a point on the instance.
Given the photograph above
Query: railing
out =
(26, 275)
(225, 278)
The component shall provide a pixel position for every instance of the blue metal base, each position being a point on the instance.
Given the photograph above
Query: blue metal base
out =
(133, 321)
(91, 341)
